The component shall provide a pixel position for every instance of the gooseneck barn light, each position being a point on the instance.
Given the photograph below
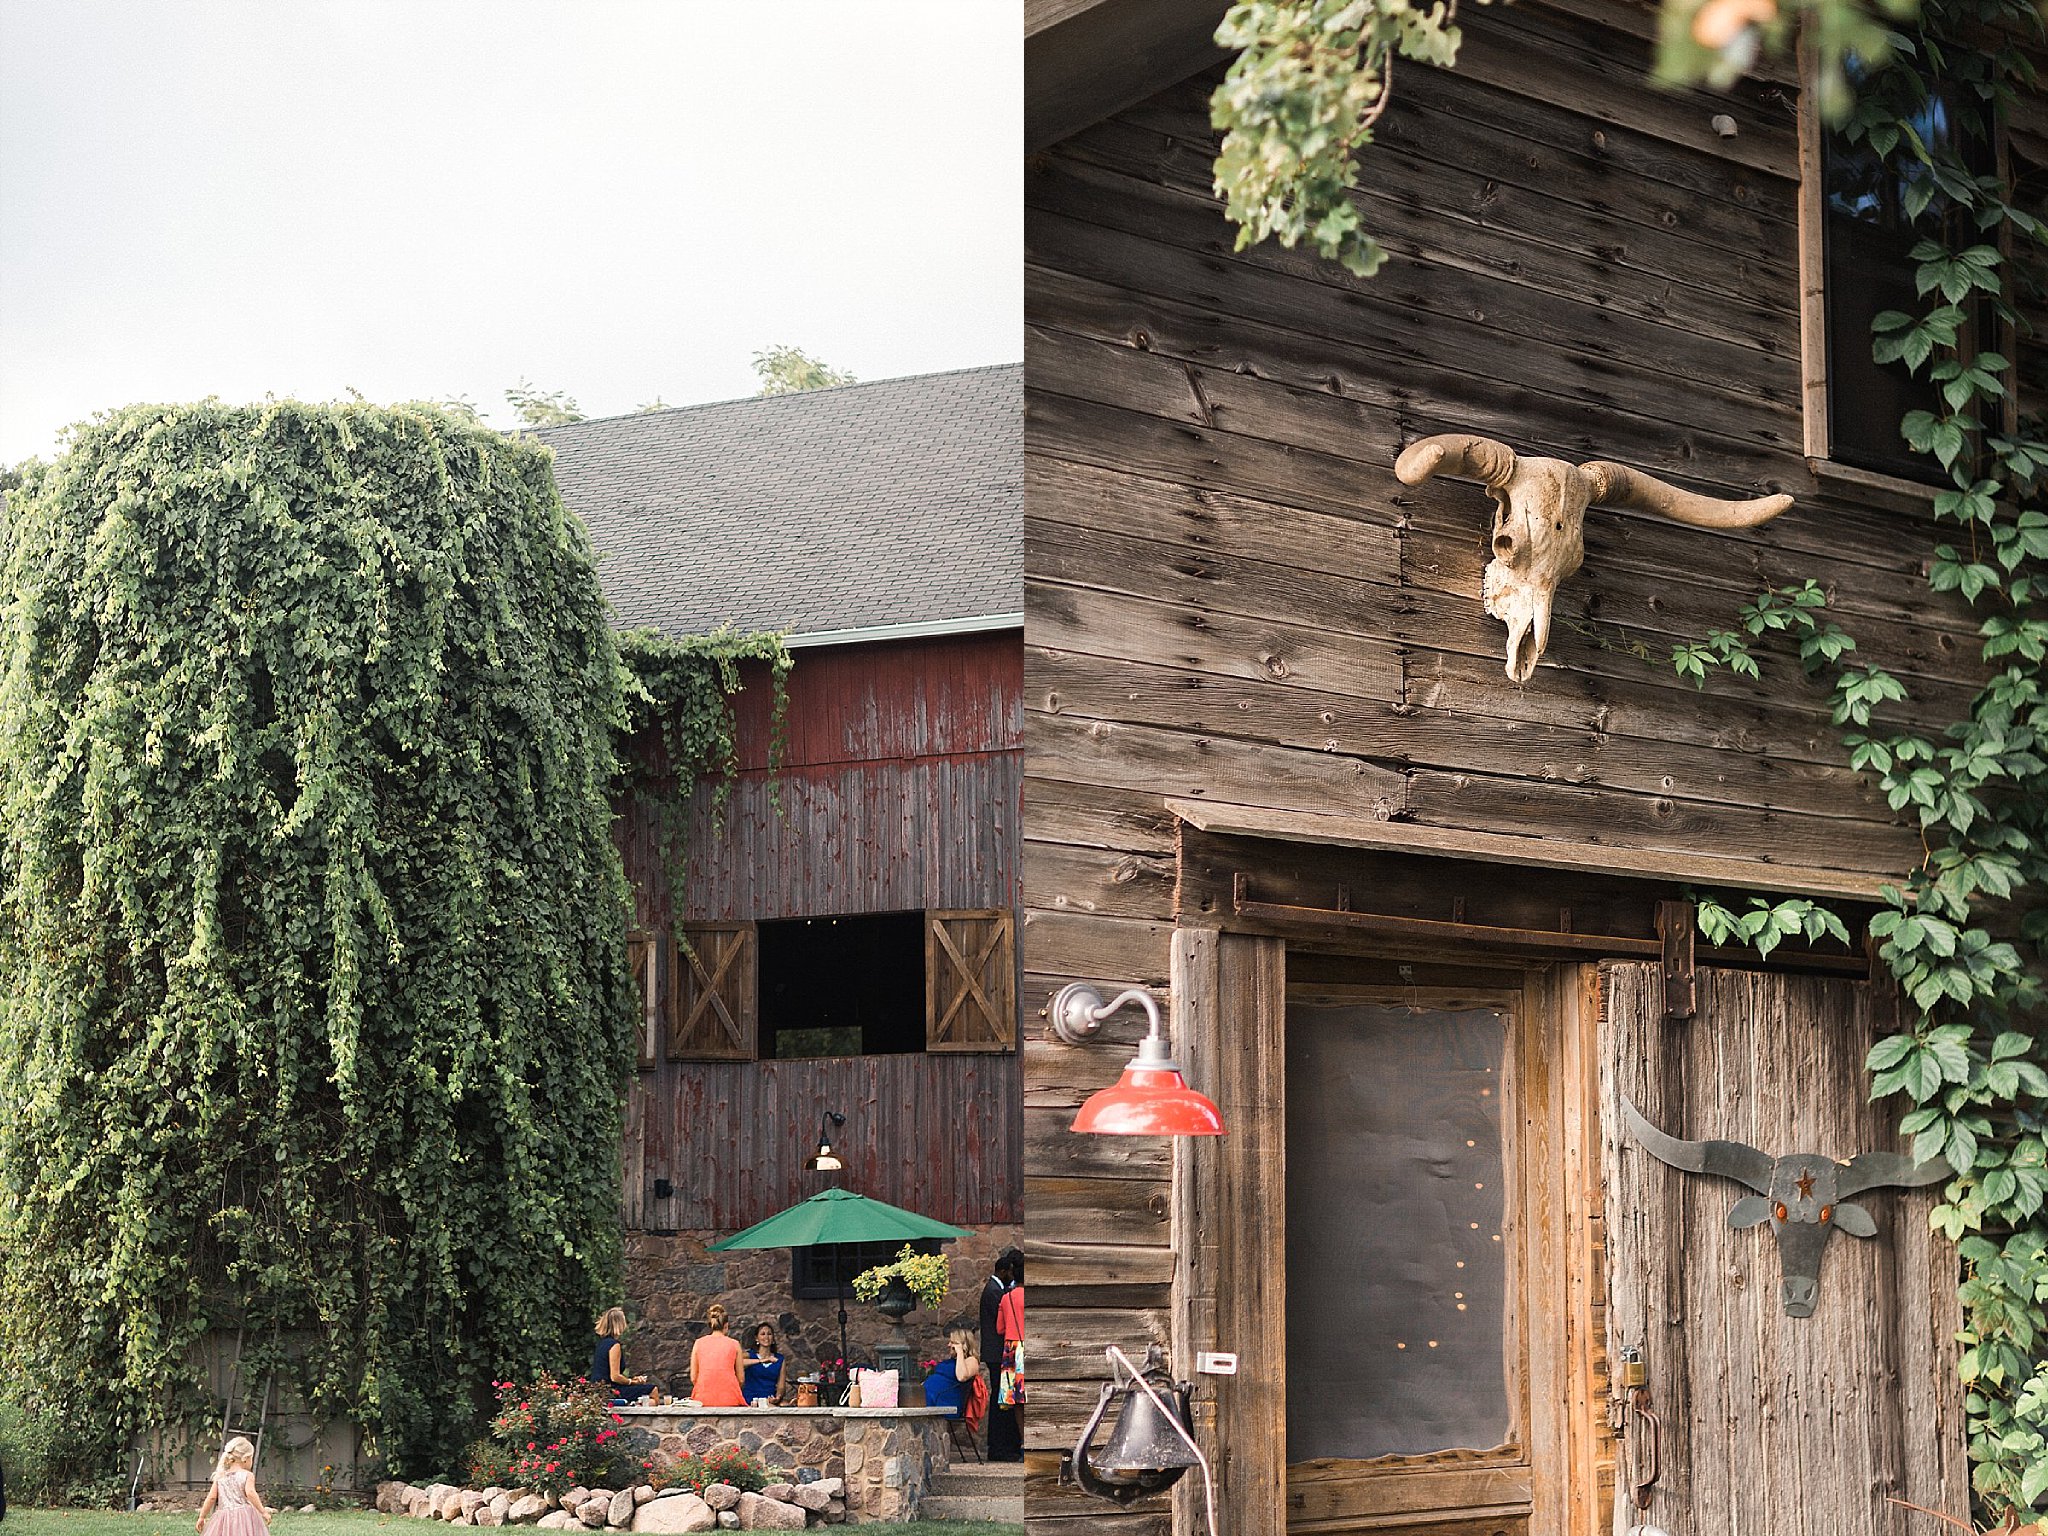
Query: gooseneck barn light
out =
(825, 1160)
(1151, 1098)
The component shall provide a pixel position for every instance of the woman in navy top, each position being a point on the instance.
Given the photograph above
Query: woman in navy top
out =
(608, 1361)
(764, 1367)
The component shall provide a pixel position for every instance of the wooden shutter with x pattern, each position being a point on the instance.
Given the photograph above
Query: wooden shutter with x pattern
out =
(640, 960)
(970, 970)
(711, 1013)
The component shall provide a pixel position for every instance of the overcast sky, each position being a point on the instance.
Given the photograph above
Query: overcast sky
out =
(434, 198)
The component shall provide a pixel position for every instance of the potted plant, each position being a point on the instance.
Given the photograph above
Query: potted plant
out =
(897, 1287)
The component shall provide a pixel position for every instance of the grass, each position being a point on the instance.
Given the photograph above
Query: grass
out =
(343, 1522)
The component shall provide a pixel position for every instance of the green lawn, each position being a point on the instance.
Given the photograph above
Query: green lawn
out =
(341, 1522)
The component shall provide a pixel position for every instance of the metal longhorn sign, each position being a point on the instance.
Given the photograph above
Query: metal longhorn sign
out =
(1804, 1195)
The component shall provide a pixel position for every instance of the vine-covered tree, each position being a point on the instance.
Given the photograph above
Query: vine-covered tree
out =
(543, 408)
(789, 370)
(312, 982)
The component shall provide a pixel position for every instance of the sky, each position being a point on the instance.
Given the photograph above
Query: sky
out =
(426, 199)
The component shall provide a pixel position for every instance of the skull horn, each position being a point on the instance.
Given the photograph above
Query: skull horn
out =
(1616, 485)
(1888, 1170)
(1729, 1159)
(1458, 454)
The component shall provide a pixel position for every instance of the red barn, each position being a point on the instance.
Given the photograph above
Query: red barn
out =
(844, 940)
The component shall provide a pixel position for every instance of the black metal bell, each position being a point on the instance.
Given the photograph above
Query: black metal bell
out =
(1144, 1453)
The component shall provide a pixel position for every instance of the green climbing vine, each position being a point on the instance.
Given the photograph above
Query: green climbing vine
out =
(1972, 1068)
(1310, 80)
(679, 696)
(313, 998)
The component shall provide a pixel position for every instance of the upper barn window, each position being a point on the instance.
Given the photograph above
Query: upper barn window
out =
(850, 984)
(1858, 233)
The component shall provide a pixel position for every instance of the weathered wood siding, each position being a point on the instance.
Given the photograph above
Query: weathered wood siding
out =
(1230, 596)
(898, 792)
(935, 1133)
(1796, 1426)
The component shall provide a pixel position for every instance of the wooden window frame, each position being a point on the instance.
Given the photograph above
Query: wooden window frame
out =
(1813, 307)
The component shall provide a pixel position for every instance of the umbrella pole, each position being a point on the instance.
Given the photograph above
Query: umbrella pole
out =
(839, 1272)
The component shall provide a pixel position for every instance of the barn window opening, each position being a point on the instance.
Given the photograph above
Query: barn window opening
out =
(816, 1274)
(1868, 234)
(842, 986)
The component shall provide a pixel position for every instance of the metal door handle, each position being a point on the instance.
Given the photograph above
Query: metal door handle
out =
(1639, 1406)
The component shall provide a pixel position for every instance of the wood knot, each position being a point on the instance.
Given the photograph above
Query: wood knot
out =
(1276, 666)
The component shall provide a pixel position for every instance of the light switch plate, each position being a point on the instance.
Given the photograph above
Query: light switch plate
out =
(1215, 1362)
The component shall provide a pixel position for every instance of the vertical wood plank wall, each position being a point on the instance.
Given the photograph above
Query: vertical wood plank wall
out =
(899, 791)
(1231, 597)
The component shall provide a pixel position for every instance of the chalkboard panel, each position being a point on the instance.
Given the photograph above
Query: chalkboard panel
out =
(1396, 1252)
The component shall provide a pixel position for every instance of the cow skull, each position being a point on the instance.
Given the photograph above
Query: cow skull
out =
(1539, 517)
(1804, 1196)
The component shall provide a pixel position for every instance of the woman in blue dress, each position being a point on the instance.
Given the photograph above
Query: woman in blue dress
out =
(764, 1367)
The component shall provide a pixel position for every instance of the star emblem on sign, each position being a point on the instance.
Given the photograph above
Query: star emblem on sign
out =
(1805, 1183)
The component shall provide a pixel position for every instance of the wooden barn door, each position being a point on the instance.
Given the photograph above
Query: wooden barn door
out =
(1772, 1425)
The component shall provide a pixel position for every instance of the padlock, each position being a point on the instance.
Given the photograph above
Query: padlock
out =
(1633, 1372)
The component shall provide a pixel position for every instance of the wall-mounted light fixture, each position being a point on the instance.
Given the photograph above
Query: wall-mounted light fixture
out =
(1151, 1098)
(825, 1160)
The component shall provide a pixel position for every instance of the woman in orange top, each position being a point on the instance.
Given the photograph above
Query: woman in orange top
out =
(715, 1379)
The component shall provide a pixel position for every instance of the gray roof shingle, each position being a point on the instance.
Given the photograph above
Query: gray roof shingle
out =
(899, 502)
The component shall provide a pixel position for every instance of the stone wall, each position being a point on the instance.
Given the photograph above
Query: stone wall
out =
(672, 1278)
(887, 1460)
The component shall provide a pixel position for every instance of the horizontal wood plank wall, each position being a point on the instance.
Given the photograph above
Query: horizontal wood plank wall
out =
(1230, 597)
(934, 1133)
(899, 791)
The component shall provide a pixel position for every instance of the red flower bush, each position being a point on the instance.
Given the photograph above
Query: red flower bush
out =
(565, 1429)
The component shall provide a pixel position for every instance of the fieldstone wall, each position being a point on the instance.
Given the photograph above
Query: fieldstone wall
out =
(886, 1460)
(672, 1278)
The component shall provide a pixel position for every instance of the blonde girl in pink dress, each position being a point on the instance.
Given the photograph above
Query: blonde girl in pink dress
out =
(237, 1508)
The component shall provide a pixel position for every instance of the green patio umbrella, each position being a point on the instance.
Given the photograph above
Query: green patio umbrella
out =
(838, 1216)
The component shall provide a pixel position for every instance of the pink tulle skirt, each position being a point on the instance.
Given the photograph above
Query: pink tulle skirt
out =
(236, 1522)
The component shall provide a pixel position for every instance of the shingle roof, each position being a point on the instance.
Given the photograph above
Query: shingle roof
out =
(895, 502)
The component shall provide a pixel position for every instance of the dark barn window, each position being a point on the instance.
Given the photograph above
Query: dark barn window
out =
(1868, 240)
(842, 986)
(817, 1273)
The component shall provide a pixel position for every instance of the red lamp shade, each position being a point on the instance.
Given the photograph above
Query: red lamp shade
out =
(1151, 1098)
(1149, 1101)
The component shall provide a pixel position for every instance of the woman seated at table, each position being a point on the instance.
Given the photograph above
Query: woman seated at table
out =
(715, 1380)
(608, 1361)
(960, 1383)
(761, 1378)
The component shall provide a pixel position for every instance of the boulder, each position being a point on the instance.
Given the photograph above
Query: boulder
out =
(777, 1491)
(677, 1510)
(525, 1509)
(810, 1496)
(418, 1502)
(492, 1513)
(573, 1499)
(728, 1519)
(835, 1487)
(468, 1502)
(439, 1497)
(307, 1509)
(594, 1510)
(643, 1493)
(390, 1498)
(500, 1502)
(619, 1510)
(722, 1496)
(492, 1492)
(555, 1520)
(763, 1514)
